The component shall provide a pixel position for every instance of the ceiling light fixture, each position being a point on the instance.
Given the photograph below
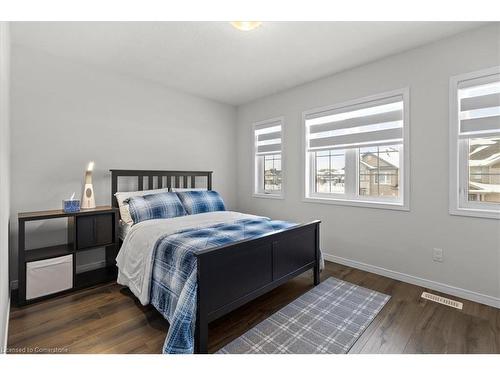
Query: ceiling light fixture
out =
(246, 25)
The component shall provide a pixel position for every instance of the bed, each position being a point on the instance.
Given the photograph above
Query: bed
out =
(227, 274)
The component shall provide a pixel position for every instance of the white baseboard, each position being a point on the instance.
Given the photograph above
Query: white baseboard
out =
(6, 328)
(437, 286)
(79, 269)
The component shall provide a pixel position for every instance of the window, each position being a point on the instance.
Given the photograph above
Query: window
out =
(475, 144)
(329, 171)
(268, 158)
(379, 171)
(355, 152)
(272, 173)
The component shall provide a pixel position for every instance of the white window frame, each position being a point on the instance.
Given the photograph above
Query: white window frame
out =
(459, 203)
(257, 193)
(351, 196)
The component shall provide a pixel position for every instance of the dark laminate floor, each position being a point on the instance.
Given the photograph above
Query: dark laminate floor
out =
(108, 319)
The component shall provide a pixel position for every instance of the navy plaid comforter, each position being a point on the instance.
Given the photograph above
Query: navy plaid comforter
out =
(174, 284)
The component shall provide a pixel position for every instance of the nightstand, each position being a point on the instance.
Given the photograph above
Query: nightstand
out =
(49, 271)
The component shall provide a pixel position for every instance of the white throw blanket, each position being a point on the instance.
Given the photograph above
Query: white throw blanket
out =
(134, 260)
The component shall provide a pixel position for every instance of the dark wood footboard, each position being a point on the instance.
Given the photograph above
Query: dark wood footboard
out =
(231, 275)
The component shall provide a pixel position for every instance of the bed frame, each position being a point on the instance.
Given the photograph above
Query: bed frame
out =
(250, 267)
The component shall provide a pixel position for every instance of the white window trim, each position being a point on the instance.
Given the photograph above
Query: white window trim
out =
(458, 201)
(404, 204)
(255, 193)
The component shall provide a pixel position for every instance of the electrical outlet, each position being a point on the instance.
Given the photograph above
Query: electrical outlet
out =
(437, 255)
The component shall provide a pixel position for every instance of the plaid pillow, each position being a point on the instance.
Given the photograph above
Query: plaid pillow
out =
(197, 202)
(155, 206)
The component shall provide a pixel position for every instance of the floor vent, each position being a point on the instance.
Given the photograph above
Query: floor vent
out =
(442, 300)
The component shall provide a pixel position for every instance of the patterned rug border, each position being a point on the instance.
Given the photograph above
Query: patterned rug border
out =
(308, 324)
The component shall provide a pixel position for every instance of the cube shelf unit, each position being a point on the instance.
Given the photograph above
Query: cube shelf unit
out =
(88, 229)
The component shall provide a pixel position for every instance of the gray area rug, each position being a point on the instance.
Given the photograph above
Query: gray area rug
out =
(327, 319)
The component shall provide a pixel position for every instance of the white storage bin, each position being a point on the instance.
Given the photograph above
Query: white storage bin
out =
(49, 276)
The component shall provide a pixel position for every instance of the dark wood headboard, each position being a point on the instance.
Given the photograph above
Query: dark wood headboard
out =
(164, 179)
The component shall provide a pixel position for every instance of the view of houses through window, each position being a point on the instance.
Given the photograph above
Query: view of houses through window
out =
(330, 171)
(272, 172)
(484, 169)
(379, 171)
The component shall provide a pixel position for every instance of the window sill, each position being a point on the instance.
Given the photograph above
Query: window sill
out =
(358, 203)
(268, 196)
(474, 212)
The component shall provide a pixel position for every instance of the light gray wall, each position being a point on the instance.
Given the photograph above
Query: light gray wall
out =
(4, 183)
(65, 114)
(394, 240)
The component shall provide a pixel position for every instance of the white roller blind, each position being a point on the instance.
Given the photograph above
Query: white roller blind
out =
(268, 137)
(370, 123)
(479, 106)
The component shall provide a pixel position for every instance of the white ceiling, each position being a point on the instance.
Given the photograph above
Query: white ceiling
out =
(214, 60)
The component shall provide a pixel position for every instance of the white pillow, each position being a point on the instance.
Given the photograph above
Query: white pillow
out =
(122, 196)
(173, 190)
